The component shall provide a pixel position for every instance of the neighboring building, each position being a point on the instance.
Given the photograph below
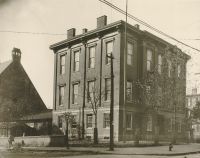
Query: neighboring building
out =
(18, 96)
(41, 123)
(194, 124)
(149, 82)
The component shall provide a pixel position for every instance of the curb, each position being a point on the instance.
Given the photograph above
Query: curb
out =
(111, 153)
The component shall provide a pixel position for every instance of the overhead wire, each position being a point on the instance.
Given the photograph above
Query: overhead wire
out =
(147, 25)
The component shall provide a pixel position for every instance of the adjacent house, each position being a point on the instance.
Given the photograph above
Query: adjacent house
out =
(149, 82)
(18, 97)
(194, 124)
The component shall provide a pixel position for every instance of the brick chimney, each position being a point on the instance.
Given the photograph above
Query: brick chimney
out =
(101, 21)
(137, 26)
(71, 33)
(84, 30)
(16, 54)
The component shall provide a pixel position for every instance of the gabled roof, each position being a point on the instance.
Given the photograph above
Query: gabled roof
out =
(4, 65)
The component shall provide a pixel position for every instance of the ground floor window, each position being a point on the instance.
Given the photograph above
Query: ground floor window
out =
(89, 121)
(106, 120)
(170, 127)
(60, 122)
(129, 120)
(149, 123)
(179, 126)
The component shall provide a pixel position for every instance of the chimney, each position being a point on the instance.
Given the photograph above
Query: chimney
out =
(85, 30)
(101, 21)
(16, 54)
(71, 33)
(137, 26)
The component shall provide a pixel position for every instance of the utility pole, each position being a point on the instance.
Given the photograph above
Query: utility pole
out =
(84, 89)
(111, 104)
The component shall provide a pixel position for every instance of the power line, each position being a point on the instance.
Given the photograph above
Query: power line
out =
(146, 24)
(34, 33)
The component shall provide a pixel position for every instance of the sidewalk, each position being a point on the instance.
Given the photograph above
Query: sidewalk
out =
(158, 150)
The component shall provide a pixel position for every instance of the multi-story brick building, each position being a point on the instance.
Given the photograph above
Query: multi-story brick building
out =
(149, 81)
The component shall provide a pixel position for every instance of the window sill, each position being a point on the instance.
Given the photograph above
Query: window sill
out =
(129, 129)
(106, 101)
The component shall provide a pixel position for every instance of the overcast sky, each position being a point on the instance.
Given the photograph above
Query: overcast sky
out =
(179, 18)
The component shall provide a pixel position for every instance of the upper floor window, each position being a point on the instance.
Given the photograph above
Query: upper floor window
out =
(129, 53)
(179, 70)
(129, 91)
(76, 60)
(159, 64)
(149, 59)
(89, 121)
(109, 50)
(169, 68)
(128, 120)
(91, 90)
(92, 56)
(160, 96)
(75, 94)
(106, 120)
(61, 95)
(107, 88)
(62, 64)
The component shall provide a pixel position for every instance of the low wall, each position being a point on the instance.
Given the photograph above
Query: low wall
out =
(35, 141)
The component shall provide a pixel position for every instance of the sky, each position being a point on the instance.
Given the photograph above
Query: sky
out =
(178, 18)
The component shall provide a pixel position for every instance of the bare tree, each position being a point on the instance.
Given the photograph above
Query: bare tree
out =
(94, 96)
(69, 120)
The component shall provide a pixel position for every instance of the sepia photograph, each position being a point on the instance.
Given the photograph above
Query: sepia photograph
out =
(100, 78)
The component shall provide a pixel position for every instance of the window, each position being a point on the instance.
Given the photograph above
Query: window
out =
(129, 120)
(75, 94)
(129, 91)
(194, 91)
(89, 121)
(106, 120)
(60, 122)
(107, 89)
(159, 64)
(109, 50)
(169, 68)
(61, 95)
(170, 125)
(91, 89)
(149, 59)
(92, 57)
(148, 89)
(188, 102)
(130, 54)
(76, 60)
(62, 64)
(159, 96)
(74, 122)
(179, 127)
(149, 123)
(179, 70)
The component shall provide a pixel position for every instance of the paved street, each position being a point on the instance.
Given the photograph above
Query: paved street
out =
(6, 154)
(190, 150)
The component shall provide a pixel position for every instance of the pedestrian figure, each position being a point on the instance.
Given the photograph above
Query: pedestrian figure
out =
(170, 146)
(10, 140)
